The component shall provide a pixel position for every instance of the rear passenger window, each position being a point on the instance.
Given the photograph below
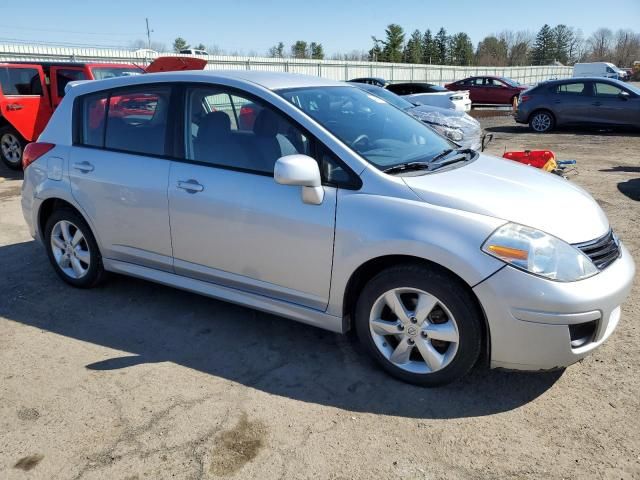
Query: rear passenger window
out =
(20, 81)
(571, 89)
(132, 121)
(225, 129)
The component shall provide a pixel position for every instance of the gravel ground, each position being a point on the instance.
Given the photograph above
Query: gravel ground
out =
(133, 380)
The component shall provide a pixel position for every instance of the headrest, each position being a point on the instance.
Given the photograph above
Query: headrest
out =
(266, 124)
(215, 124)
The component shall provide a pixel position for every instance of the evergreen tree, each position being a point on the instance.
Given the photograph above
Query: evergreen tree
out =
(461, 49)
(428, 48)
(180, 44)
(393, 44)
(413, 48)
(299, 49)
(544, 47)
(441, 43)
(316, 50)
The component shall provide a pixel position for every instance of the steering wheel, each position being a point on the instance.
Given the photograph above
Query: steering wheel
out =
(361, 138)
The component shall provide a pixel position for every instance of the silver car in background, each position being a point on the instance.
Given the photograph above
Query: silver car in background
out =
(329, 206)
(457, 126)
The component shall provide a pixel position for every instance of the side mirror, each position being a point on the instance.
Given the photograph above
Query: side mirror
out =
(303, 171)
(624, 95)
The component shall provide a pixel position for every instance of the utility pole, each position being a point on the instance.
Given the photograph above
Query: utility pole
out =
(148, 34)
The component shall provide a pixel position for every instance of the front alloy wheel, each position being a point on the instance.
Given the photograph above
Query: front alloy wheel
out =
(414, 330)
(420, 323)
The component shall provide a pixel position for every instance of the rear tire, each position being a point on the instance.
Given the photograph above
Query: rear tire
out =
(435, 339)
(542, 121)
(11, 147)
(72, 249)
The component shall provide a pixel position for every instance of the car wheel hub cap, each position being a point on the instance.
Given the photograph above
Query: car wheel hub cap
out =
(541, 122)
(70, 249)
(414, 330)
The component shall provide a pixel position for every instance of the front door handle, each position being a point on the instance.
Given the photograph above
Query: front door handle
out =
(191, 185)
(84, 167)
(14, 106)
(597, 104)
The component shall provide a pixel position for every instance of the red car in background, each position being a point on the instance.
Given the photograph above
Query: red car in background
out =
(31, 91)
(490, 90)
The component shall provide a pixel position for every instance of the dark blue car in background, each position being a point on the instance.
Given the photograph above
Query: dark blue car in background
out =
(598, 102)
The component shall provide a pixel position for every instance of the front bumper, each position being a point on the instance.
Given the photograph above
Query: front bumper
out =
(529, 316)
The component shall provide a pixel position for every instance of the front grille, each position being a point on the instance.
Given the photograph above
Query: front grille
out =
(602, 251)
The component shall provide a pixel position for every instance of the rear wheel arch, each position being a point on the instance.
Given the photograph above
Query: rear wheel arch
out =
(53, 204)
(374, 266)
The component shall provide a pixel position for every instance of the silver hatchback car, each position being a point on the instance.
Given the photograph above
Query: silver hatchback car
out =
(317, 201)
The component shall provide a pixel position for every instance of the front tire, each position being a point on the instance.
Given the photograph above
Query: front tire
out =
(11, 147)
(542, 121)
(72, 249)
(420, 324)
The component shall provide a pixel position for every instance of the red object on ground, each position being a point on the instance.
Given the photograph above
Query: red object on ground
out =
(535, 158)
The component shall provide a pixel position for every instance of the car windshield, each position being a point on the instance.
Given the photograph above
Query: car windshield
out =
(437, 88)
(382, 134)
(390, 97)
(101, 73)
(510, 82)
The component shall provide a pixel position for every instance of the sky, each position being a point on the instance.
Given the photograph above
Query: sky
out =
(252, 26)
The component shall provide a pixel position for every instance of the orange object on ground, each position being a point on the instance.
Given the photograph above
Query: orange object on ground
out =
(543, 159)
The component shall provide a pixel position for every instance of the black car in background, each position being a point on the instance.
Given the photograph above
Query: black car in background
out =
(414, 87)
(601, 102)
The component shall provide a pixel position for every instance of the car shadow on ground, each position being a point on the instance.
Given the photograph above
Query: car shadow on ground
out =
(8, 174)
(630, 188)
(160, 324)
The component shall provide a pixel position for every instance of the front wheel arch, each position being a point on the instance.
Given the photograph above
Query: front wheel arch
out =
(372, 267)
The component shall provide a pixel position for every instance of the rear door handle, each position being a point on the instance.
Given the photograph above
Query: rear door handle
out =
(14, 106)
(83, 167)
(597, 104)
(557, 101)
(191, 186)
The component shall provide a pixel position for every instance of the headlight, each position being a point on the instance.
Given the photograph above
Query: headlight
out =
(538, 253)
(451, 133)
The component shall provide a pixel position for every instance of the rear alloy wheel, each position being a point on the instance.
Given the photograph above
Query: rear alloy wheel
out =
(11, 148)
(420, 325)
(541, 122)
(72, 249)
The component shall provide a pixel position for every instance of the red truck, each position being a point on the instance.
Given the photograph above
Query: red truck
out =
(30, 92)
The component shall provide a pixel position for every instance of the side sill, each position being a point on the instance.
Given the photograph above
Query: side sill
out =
(251, 300)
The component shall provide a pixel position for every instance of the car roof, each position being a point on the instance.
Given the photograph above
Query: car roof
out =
(268, 80)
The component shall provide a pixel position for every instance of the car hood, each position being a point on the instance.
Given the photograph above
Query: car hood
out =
(518, 193)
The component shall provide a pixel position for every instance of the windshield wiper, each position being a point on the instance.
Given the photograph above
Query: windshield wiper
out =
(404, 167)
(443, 163)
(442, 154)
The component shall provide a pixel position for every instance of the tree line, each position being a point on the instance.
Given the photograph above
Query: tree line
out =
(561, 44)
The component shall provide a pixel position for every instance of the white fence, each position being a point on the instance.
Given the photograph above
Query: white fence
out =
(333, 69)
